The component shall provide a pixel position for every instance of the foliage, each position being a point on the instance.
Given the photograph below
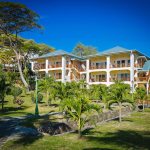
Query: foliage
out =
(77, 108)
(49, 87)
(15, 92)
(19, 101)
(140, 95)
(83, 50)
(33, 97)
(76, 103)
(16, 18)
(120, 95)
(3, 86)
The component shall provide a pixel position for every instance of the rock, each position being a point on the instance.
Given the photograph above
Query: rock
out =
(54, 128)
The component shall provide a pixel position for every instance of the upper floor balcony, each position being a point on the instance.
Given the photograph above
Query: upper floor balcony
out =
(93, 67)
(120, 64)
(39, 66)
(55, 65)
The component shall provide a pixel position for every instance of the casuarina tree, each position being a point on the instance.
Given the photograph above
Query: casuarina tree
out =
(16, 18)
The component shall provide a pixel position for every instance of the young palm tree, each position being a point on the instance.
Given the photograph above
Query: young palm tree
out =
(120, 95)
(46, 85)
(140, 94)
(76, 108)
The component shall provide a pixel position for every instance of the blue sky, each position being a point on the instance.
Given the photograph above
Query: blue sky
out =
(99, 23)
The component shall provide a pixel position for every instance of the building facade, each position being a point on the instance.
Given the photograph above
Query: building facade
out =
(130, 66)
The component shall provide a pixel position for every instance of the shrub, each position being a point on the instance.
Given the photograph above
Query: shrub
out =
(15, 92)
(19, 101)
(33, 97)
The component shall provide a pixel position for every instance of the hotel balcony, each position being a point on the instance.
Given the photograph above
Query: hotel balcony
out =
(39, 66)
(139, 65)
(120, 79)
(122, 65)
(55, 66)
(98, 80)
(93, 67)
(141, 79)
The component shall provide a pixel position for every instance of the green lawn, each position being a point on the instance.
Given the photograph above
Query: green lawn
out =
(133, 134)
(28, 107)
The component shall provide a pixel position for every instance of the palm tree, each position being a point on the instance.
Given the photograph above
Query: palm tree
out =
(76, 108)
(99, 92)
(120, 95)
(140, 94)
(46, 85)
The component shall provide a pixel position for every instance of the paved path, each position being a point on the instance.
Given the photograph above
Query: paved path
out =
(8, 126)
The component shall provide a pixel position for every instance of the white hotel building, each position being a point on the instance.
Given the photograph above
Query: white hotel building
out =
(130, 66)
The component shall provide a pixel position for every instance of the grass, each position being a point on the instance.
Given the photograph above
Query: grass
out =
(133, 134)
(28, 107)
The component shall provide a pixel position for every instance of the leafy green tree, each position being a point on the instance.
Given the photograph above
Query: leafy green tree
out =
(16, 18)
(83, 50)
(100, 93)
(140, 95)
(15, 92)
(47, 85)
(78, 108)
(3, 87)
(120, 96)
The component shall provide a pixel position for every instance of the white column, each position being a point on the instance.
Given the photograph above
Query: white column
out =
(108, 69)
(69, 73)
(132, 69)
(63, 68)
(147, 88)
(87, 71)
(46, 67)
(32, 66)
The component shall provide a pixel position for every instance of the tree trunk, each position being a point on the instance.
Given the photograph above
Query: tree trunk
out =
(2, 104)
(120, 115)
(47, 98)
(143, 105)
(14, 47)
(22, 76)
(79, 128)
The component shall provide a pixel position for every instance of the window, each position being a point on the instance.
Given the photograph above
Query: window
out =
(123, 63)
(128, 63)
(118, 63)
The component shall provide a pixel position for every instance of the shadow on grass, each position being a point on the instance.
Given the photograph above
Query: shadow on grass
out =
(126, 139)
(13, 110)
(27, 140)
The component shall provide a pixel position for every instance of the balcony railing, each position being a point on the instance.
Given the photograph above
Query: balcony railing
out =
(39, 66)
(139, 65)
(57, 77)
(55, 66)
(98, 80)
(97, 67)
(79, 68)
(141, 79)
(122, 65)
(121, 79)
